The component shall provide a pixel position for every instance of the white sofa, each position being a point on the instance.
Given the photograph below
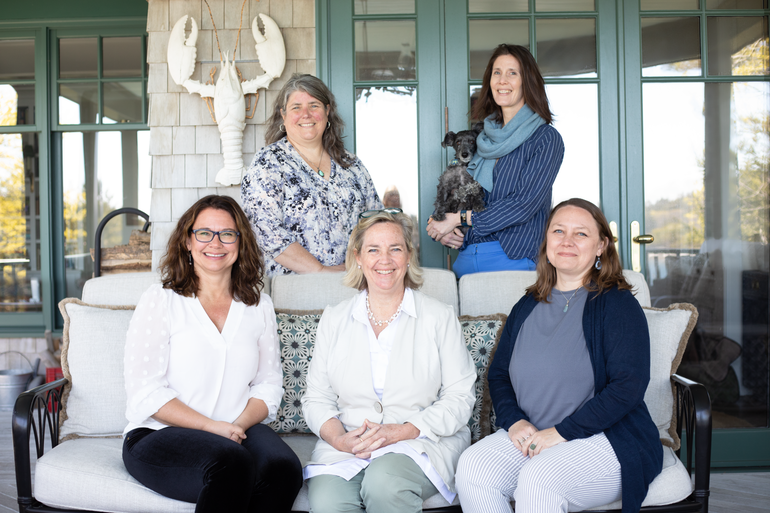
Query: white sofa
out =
(84, 471)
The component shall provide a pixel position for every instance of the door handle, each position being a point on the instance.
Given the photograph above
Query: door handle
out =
(644, 239)
(614, 230)
(637, 240)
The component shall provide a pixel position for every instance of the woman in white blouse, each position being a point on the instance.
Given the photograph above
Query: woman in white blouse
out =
(390, 387)
(203, 375)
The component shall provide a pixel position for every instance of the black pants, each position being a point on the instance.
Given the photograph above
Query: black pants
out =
(261, 474)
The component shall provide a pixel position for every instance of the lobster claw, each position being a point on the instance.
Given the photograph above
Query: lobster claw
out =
(270, 47)
(182, 53)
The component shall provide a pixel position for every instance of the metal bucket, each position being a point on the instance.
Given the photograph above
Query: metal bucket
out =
(14, 381)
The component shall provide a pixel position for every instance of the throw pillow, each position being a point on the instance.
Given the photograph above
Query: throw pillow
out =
(94, 399)
(481, 337)
(670, 330)
(296, 336)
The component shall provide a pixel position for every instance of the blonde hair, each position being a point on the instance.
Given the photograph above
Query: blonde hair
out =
(354, 276)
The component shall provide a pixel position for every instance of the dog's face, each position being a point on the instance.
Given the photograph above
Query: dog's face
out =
(464, 143)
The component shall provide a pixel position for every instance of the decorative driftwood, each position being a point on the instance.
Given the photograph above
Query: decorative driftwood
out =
(133, 257)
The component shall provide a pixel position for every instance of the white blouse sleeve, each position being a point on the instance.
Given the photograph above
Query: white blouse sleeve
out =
(267, 385)
(146, 357)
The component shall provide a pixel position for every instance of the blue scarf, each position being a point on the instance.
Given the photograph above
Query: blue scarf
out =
(498, 141)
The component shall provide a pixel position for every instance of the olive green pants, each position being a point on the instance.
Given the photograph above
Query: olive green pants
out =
(392, 483)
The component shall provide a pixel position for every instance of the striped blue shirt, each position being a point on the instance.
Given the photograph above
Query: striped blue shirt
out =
(520, 201)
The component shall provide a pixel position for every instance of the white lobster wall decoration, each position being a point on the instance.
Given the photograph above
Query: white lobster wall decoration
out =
(229, 92)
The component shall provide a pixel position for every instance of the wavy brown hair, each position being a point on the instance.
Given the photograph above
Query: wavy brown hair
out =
(354, 277)
(247, 271)
(611, 273)
(332, 138)
(531, 80)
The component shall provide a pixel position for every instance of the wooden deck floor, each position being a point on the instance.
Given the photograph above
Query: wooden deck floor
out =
(730, 493)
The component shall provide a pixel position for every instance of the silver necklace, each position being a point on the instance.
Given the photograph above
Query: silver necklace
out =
(320, 173)
(566, 307)
(380, 323)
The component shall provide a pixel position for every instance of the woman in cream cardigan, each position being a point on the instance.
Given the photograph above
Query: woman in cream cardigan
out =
(390, 387)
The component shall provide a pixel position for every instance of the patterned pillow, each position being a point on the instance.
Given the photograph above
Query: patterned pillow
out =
(481, 337)
(296, 335)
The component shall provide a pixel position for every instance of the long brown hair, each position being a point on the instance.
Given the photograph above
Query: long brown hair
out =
(531, 81)
(596, 280)
(332, 138)
(247, 271)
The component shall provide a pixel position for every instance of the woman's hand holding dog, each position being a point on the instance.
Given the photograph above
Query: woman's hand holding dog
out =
(446, 231)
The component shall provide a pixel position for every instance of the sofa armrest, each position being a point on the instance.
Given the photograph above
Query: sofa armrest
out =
(693, 412)
(35, 411)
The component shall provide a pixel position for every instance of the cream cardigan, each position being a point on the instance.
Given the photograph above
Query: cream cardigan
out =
(429, 382)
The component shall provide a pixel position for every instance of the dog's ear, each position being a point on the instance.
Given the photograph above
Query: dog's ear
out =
(478, 127)
(449, 140)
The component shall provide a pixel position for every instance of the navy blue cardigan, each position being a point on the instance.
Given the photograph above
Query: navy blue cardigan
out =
(618, 342)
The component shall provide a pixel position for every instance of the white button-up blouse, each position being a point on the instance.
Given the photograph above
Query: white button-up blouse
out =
(173, 350)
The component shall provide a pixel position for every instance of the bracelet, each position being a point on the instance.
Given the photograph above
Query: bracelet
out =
(463, 218)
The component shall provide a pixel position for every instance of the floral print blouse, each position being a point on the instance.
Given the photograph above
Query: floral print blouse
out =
(286, 201)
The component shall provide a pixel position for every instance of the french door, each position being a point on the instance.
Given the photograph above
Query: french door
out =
(663, 107)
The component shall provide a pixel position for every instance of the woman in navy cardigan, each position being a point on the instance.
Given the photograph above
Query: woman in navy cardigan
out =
(567, 384)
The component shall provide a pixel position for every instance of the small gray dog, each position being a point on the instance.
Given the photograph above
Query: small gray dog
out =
(457, 190)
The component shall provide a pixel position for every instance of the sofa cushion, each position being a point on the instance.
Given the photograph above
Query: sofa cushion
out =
(498, 291)
(94, 400)
(670, 330)
(296, 337)
(481, 337)
(88, 474)
(672, 485)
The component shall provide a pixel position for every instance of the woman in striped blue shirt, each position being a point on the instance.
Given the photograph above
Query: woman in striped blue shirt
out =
(518, 157)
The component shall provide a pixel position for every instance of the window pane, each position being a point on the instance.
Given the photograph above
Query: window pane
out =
(738, 45)
(384, 6)
(669, 5)
(566, 48)
(498, 6)
(17, 104)
(101, 172)
(706, 174)
(736, 4)
(576, 117)
(671, 47)
(485, 35)
(385, 50)
(77, 58)
(564, 5)
(20, 281)
(78, 103)
(123, 102)
(17, 59)
(122, 57)
(386, 118)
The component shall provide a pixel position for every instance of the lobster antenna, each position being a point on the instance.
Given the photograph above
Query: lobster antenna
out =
(240, 24)
(216, 35)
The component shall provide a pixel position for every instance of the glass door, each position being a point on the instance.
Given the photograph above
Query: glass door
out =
(706, 167)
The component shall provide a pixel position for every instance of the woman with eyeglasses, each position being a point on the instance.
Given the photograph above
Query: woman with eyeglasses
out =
(303, 191)
(391, 385)
(518, 156)
(203, 373)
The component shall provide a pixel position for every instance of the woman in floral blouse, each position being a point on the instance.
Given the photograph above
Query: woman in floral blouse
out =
(303, 192)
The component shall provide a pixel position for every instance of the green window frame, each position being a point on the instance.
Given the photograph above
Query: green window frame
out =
(88, 19)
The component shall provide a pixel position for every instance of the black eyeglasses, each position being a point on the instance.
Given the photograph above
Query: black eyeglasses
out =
(205, 235)
(370, 213)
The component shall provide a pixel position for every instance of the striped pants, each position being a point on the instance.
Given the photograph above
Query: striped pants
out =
(570, 476)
